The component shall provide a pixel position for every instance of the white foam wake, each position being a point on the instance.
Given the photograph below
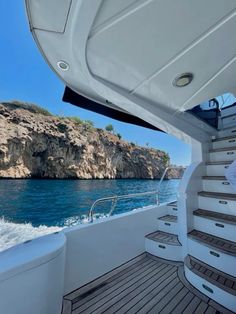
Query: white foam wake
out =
(12, 233)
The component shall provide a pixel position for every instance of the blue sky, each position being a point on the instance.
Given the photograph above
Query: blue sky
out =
(25, 76)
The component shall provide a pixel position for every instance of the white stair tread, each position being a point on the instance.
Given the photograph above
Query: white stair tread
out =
(217, 163)
(226, 196)
(214, 178)
(225, 218)
(223, 245)
(225, 138)
(211, 274)
(164, 237)
(169, 218)
(225, 149)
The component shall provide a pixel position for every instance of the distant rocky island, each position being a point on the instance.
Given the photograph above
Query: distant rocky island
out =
(36, 144)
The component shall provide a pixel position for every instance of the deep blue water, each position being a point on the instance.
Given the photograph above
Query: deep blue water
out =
(65, 202)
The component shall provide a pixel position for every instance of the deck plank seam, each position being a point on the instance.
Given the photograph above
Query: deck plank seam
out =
(143, 289)
(127, 282)
(168, 269)
(119, 282)
(100, 310)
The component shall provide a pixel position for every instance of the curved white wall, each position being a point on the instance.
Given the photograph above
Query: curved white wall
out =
(95, 249)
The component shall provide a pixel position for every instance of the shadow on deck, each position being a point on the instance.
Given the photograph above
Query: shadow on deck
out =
(145, 284)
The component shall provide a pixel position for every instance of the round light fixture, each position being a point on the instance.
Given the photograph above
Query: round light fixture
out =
(183, 79)
(62, 65)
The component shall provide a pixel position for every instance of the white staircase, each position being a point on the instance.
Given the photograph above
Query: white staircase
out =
(211, 261)
(164, 242)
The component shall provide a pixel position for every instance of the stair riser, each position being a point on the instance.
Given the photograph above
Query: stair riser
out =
(224, 144)
(219, 229)
(225, 155)
(170, 252)
(227, 132)
(217, 186)
(172, 210)
(219, 295)
(224, 262)
(216, 170)
(217, 205)
(166, 226)
(229, 122)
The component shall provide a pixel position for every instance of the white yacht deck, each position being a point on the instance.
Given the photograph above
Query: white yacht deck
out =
(146, 284)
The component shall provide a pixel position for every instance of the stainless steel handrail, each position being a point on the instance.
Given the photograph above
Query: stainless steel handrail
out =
(115, 198)
(160, 182)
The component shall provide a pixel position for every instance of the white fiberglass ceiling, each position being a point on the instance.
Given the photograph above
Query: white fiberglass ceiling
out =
(142, 46)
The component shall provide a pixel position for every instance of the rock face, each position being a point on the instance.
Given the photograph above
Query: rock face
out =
(38, 145)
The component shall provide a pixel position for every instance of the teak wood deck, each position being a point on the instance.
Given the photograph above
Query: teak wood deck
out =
(145, 284)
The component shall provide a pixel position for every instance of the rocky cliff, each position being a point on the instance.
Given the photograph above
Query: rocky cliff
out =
(36, 144)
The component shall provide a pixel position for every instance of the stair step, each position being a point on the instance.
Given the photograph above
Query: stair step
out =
(225, 138)
(211, 274)
(172, 204)
(217, 163)
(225, 246)
(164, 237)
(214, 178)
(169, 218)
(222, 149)
(229, 219)
(227, 132)
(226, 196)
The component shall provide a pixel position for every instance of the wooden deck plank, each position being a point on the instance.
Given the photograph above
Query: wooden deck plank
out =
(210, 310)
(175, 300)
(114, 280)
(221, 217)
(157, 296)
(169, 218)
(108, 276)
(112, 286)
(103, 298)
(191, 307)
(124, 304)
(214, 276)
(166, 298)
(145, 299)
(218, 195)
(223, 245)
(150, 285)
(201, 307)
(184, 303)
(117, 302)
(164, 237)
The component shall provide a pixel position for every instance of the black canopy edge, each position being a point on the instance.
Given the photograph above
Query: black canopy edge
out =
(80, 101)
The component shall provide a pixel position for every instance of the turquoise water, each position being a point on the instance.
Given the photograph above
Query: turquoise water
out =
(66, 202)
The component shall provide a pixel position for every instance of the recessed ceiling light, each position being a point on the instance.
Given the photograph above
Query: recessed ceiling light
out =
(183, 79)
(62, 65)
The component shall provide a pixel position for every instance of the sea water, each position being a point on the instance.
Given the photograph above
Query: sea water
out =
(31, 208)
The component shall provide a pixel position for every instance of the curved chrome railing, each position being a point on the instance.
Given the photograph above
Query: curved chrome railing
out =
(116, 198)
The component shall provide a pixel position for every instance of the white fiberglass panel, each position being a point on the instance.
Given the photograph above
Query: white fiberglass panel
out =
(228, 155)
(223, 261)
(220, 186)
(216, 170)
(129, 49)
(219, 295)
(49, 15)
(214, 227)
(225, 143)
(217, 205)
(205, 61)
(169, 252)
